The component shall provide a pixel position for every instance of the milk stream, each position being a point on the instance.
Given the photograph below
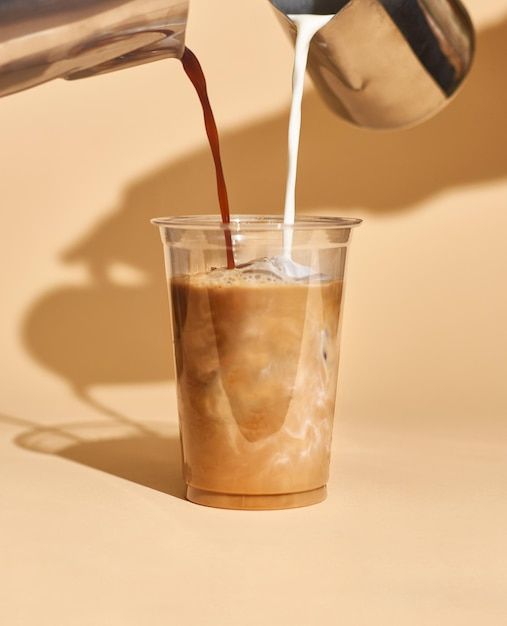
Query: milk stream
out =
(307, 26)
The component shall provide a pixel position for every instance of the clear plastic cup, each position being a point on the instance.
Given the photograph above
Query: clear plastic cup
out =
(256, 350)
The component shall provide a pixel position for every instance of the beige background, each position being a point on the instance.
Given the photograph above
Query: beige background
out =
(94, 530)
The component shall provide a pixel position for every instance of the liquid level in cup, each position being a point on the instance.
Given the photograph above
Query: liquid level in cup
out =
(257, 363)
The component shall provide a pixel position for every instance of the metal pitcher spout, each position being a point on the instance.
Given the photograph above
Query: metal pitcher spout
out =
(45, 39)
(386, 63)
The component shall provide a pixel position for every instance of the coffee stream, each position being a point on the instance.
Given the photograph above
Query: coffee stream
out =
(194, 71)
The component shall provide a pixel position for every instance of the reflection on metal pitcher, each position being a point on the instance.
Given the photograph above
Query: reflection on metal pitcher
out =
(45, 39)
(386, 63)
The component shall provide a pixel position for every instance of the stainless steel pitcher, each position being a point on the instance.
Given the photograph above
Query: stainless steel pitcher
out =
(386, 63)
(45, 39)
(378, 63)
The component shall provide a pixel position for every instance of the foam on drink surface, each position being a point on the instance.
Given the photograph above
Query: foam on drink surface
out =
(266, 271)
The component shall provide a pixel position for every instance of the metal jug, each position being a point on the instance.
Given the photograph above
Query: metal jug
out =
(45, 39)
(386, 63)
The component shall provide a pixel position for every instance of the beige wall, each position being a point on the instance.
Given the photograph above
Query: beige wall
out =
(84, 165)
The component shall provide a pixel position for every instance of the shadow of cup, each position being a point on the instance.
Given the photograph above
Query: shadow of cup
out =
(149, 455)
(102, 334)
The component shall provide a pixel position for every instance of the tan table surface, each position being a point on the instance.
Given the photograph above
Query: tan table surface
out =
(95, 531)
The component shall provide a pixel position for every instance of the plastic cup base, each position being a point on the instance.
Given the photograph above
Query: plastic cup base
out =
(256, 502)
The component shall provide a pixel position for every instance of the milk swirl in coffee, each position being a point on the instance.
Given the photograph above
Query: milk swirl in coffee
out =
(257, 361)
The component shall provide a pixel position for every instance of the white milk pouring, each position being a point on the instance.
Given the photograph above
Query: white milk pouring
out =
(307, 26)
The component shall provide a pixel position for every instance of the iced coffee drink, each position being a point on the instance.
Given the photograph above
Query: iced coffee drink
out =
(256, 351)
(257, 360)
